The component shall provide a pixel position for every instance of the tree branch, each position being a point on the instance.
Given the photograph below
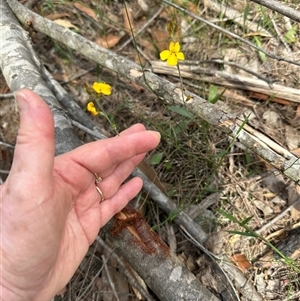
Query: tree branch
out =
(280, 8)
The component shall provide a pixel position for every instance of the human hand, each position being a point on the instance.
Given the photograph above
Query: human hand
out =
(49, 206)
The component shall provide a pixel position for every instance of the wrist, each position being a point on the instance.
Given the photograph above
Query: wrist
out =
(7, 294)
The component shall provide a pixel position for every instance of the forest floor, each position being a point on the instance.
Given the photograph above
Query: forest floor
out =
(215, 179)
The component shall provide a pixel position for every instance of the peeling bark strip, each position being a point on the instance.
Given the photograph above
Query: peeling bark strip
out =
(287, 163)
(148, 240)
(162, 271)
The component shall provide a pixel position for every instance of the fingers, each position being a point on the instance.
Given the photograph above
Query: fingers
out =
(104, 155)
(110, 185)
(125, 193)
(34, 152)
(138, 127)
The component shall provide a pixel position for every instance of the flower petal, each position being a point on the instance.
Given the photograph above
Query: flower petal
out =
(94, 112)
(164, 55)
(172, 60)
(105, 89)
(90, 106)
(172, 47)
(177, 47)
(180, 55)
(97, 87)
(102, 88)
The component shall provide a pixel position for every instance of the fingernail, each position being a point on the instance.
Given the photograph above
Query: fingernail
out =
(22, 100)
(157, 134)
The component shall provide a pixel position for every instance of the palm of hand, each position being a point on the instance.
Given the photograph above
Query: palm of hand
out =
(51, 212)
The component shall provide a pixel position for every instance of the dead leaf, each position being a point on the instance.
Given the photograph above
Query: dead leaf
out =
(86, 10)
(297, 112)
(293, 196)
(109, 41)
(60, 77)
(152, 175)
(292, 137)
(296, 152)
(57, 16)
(189, 4)
(129, 25)
(241, 261)
(160, 39)
(138, 87)
(143, 5)
(262, 206)
(65, 23)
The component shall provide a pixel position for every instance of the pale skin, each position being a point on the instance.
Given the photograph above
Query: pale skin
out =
(49, 207)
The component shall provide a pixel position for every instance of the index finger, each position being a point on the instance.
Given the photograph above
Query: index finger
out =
(101, 155)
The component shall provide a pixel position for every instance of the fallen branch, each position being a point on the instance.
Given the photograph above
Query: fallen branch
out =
(229, 80)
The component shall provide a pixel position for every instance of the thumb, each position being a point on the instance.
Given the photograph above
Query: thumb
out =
(34, 151)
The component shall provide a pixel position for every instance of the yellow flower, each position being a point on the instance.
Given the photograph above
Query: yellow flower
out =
(102, 88)
(91, 108)
(172, 55)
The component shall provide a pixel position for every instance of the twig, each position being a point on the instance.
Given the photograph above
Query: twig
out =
(235, 16)
(94, 134)
(220, 271)
(111, 283)
(84, 292)
(132, 280)
(278, 58)
(277, 218)
(7, 95)
(142, 28)
(6, 145)
(280, 8)
(287, 47)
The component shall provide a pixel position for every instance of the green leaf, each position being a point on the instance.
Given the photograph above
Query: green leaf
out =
(246, 14)
(242, 233)
(221, 154)
(181, 111)
(168, 164)
(156, 159)
(246, 220)
(228, 215)
(213, 95)
(262, 55)
(248, 159)
(290, 36)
